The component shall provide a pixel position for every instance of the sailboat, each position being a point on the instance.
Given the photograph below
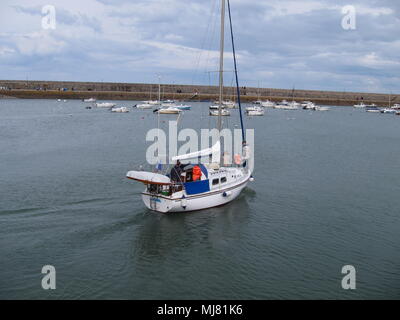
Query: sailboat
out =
(149, 104)
(200, 186)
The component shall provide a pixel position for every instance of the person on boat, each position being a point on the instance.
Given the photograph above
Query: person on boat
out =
(196, 173)
(176, 171)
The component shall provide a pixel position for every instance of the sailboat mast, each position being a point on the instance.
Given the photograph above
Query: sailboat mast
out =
(159, 89)
(221, 65)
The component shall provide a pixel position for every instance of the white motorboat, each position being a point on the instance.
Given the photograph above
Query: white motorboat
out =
(168, 105)
(255, 111)
(305, 103)
(372, 109)
(105, 105)
(229, 104)
(224, 113)
(396, 106)
(268, 104)
(360, 105)
(145, 106)
(294, 104)
(183, 107)
(90, 100)
(319, 108)
(388, 110)
(284, 105)
(152, 102)
(168, 110)
(199, 186)
(308, 105)
(120, 109)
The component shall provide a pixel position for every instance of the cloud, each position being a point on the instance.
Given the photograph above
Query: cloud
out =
(280, 43)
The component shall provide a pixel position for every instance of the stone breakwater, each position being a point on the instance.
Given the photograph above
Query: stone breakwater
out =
(138, 91)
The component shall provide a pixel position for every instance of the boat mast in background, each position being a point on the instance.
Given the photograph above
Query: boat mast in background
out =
(221, 66)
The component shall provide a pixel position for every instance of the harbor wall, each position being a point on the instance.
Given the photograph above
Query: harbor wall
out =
(138, 91)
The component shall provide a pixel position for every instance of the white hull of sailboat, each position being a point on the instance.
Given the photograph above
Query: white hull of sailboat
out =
(145, 106)
(170, 110)
(207, 200)
(255, 113)
(105, 105)
(224, 113)
(286, 107)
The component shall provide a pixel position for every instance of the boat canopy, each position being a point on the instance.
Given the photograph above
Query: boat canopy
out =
(215, 151)
(149, 177)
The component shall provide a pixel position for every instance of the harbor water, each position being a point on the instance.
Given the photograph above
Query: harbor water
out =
(325, 195)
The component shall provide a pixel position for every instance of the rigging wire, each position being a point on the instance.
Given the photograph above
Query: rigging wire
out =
(236, 73)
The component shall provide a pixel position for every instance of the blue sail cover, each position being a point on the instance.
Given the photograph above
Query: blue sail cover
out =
(197, 187)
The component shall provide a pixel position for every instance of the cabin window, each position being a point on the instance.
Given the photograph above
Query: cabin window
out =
(215, 181)
(223, 179)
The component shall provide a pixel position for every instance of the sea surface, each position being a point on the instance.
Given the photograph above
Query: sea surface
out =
(326, 194)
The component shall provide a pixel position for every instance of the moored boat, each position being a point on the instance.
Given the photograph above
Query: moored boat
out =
(120, 109)
(360, 105)
(372, 109)
(145, 106)
(105, 105)
(168, 110)
(224, 113)
(255, 111)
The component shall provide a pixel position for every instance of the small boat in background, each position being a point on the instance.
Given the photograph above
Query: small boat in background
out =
(120, 110)
(224, 112)
(168, 103)
(105, 105)
(145, 106)
(90, 100)
(169, 110)
(268, 104)
(284, 105)
(152, 102)
(319, 108)
(360, 105)
(308, 105)
(227, 104)
(255, 111)
(183, 107)
(388, 110)
(372, 109)
(396, 106)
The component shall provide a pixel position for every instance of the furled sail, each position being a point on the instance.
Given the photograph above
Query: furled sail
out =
(148, 177)
(214, 151)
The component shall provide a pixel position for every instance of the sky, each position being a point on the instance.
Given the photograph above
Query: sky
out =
(279, 43)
